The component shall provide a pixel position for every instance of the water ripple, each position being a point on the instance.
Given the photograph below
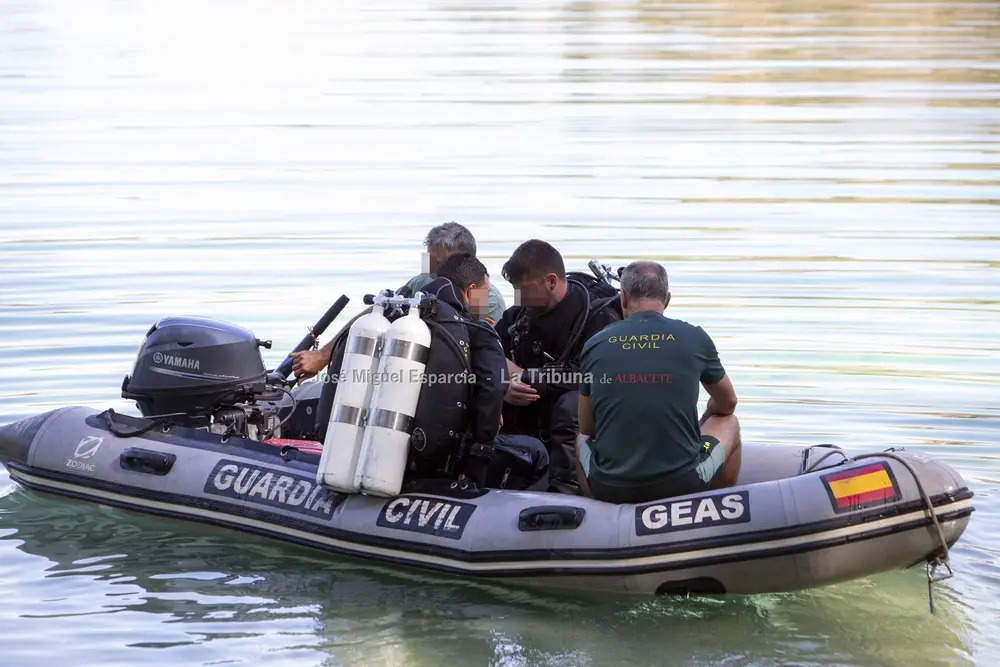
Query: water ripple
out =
(820, 179)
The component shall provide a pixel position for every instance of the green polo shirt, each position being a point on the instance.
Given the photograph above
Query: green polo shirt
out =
(642, 376)
(496, 303)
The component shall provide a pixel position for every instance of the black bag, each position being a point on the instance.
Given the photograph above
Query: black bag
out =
(505, 465)
(602, 293)
(596, 287)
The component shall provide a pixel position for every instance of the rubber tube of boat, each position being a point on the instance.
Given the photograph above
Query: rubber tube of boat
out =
(345, 432)
(394, 402)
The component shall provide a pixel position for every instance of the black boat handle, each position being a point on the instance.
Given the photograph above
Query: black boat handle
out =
(550, 517)
(316, 331)
(146, 461)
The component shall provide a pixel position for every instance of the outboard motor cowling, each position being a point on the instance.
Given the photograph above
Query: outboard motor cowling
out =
(195, 366)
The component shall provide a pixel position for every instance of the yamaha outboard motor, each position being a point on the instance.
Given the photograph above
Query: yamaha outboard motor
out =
(206, 374)
(197, 372)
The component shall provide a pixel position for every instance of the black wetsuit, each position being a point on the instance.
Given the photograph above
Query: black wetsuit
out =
(458, 417)
(532, 338)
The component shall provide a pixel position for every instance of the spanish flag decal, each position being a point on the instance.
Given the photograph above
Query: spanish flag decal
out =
(857, 488)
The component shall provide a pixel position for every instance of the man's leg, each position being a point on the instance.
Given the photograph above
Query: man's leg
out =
(562, 436)
(727, 431)
(583, 453)
(519, 419)
(532, 450)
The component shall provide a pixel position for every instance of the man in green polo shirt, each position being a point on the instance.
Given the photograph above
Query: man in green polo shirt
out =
(640, 436)
(442, 242)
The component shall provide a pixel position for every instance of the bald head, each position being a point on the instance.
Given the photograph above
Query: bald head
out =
(645, 281)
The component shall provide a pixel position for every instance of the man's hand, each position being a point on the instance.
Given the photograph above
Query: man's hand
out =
(519, 393)
(308, 363)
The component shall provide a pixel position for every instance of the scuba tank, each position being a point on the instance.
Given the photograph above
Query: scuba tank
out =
(345, 430)
(385, 445)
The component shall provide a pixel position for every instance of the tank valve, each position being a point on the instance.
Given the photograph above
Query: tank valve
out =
(262, 343)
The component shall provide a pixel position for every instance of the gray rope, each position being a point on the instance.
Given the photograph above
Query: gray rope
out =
(920, 488)
(944, 559)
(932, 564)
(824, 458)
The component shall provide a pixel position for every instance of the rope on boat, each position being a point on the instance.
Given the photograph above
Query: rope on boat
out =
(834, 449)
(108, 416)
(938, 561)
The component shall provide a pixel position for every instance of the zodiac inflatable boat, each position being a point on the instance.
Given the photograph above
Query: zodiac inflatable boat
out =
(778, 530)
(800, 516)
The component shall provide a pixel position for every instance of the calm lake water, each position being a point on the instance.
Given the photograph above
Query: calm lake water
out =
(822, 181)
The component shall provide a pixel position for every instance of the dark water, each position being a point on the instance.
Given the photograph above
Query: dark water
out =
(822, 181)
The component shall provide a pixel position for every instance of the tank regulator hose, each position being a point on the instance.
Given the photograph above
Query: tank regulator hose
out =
(284, 421)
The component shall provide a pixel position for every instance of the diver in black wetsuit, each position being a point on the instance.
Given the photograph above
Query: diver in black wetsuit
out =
(458, 416)
(542, 338)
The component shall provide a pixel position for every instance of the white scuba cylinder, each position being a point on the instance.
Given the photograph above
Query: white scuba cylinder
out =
(345, 432)
(394, 402)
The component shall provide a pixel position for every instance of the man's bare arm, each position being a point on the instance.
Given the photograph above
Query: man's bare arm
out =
(721, 399)
(309, 363)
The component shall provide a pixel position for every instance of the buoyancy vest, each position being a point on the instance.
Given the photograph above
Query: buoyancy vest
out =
(442, 416)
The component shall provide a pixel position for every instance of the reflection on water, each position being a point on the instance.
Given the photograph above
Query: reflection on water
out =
(211, 593)
(821, 180)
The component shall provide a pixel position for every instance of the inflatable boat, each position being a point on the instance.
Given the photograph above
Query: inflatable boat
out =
(799, 517)
(781, 529)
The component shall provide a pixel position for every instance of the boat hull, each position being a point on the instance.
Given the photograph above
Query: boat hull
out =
(844, 520)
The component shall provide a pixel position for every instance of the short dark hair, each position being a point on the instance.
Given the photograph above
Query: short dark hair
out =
(462, 270)
(645, 280)
(532, 258)
(453, 237)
